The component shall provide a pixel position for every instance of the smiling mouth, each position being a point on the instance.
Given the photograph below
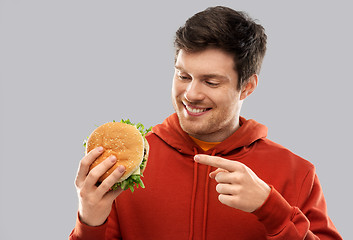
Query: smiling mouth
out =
(195, 110)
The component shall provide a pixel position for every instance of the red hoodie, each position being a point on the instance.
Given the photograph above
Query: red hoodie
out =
(180, 200)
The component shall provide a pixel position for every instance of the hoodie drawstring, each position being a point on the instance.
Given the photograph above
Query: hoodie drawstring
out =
(193, 198)
(205, 206)
(205, 209)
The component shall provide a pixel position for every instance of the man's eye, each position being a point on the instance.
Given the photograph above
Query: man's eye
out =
(183, 77)
(211, 84)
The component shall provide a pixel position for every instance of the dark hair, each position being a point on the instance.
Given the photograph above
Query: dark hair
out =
(229, 30)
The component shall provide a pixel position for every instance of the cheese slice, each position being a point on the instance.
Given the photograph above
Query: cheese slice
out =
(137, 172)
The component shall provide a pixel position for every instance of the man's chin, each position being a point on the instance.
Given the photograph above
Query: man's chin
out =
(193, 125)
(193, 128)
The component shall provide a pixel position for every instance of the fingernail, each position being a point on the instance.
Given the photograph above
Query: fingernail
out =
(121, 168)
(197, 158)
(99, 149)
(112, 158)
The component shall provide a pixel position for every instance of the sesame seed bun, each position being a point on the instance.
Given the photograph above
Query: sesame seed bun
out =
(122, 140)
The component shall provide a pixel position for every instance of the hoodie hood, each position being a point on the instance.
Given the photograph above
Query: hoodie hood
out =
(171, 133)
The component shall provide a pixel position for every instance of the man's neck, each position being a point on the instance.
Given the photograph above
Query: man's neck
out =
(217, 136)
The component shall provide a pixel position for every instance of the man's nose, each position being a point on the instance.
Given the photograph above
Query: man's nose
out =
(193, 92)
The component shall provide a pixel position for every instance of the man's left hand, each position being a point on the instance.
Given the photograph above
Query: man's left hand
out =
(238, 186)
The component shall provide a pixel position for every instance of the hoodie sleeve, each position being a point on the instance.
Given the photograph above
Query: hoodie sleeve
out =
(107, 231)
(308, 220)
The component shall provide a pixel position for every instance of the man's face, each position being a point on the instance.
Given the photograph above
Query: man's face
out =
(205, 95)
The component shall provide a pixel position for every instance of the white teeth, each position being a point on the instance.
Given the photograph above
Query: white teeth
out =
(195, 110)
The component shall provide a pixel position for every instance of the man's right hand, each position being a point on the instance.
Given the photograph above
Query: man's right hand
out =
(95, 202)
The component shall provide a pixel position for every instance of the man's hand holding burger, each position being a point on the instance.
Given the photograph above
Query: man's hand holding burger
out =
(95, 202)
(116, 156)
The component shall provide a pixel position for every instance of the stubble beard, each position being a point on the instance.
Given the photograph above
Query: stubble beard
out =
(196, 127)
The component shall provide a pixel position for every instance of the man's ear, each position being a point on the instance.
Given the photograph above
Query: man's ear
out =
(249, 87)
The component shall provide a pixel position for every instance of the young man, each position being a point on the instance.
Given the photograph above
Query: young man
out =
(211, 174)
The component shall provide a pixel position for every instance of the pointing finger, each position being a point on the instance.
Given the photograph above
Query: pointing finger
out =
(217, 162)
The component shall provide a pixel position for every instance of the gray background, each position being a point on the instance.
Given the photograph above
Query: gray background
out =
(67, 66)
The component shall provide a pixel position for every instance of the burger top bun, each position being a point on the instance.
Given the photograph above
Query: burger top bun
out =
(122, 140)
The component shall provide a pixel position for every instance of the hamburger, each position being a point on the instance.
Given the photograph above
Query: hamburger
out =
(127, 142)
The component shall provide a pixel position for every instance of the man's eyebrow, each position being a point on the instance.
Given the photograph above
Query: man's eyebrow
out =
(205, 76)
(217, 76)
